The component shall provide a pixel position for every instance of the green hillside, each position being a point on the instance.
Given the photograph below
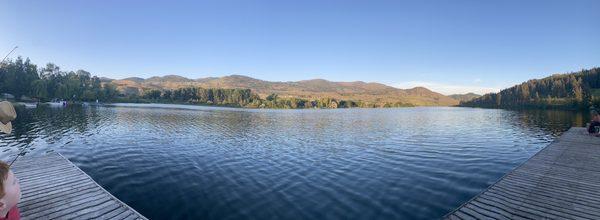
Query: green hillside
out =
(574, 90)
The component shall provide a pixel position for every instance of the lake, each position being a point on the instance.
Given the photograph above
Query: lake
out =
(193, 162)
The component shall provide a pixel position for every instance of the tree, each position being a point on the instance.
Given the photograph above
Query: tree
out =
(152, 94)
(572, 90)
(40, 89)
(17, 77)
(272, 97)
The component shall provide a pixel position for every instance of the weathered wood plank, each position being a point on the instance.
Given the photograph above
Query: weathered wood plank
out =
(484, 212)
(53, 187)
(562, 181)
(62, 197)
(517, 205)
(123, 215)
(530, 201)
(557, 196)
(98, 211)
(44, 171)
(53, 174)
(502, 213)
(25, 200)
(113, 213)
(88, 205)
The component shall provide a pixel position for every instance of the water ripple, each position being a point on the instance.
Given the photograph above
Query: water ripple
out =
(191, 162)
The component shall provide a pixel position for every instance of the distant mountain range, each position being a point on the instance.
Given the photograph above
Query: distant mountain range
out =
(307, 89)
(465, 97)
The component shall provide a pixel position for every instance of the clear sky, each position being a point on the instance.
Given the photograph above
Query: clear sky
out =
(447, 46)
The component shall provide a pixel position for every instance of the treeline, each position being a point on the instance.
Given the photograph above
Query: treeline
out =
(245, 98)
(24, 80)
(575, 90)
(214, 96)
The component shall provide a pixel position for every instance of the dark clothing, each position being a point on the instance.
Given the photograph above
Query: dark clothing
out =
(592, 128)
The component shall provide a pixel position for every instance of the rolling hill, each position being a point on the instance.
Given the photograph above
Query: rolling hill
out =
(465, 97)
(307, 89)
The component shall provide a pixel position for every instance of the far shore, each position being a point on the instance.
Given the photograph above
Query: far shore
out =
(31, 103)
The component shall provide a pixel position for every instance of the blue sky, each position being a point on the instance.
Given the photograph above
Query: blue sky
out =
(448, 46)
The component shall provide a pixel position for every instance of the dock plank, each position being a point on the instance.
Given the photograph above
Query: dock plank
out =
(562, 181)
(54, 188)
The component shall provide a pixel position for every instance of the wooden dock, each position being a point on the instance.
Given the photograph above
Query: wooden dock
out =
(54, 188)
(562, 181)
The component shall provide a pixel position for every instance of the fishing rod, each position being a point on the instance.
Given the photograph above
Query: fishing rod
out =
(9, 53)
(22, 150)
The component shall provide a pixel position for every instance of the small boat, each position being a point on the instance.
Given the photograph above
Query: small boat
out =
(30, 104)
(26, 104)
(57, 103)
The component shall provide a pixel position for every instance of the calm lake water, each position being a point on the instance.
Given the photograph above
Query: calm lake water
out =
(190, 162)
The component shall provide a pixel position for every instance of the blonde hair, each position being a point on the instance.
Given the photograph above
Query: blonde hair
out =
(4, 169)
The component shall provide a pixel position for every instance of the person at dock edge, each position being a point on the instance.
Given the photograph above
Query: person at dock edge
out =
(10, 191)
(594, 126)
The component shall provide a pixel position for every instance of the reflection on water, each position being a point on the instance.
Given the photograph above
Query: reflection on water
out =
(174, 161)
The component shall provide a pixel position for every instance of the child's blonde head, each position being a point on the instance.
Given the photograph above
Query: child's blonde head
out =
(4, 169)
